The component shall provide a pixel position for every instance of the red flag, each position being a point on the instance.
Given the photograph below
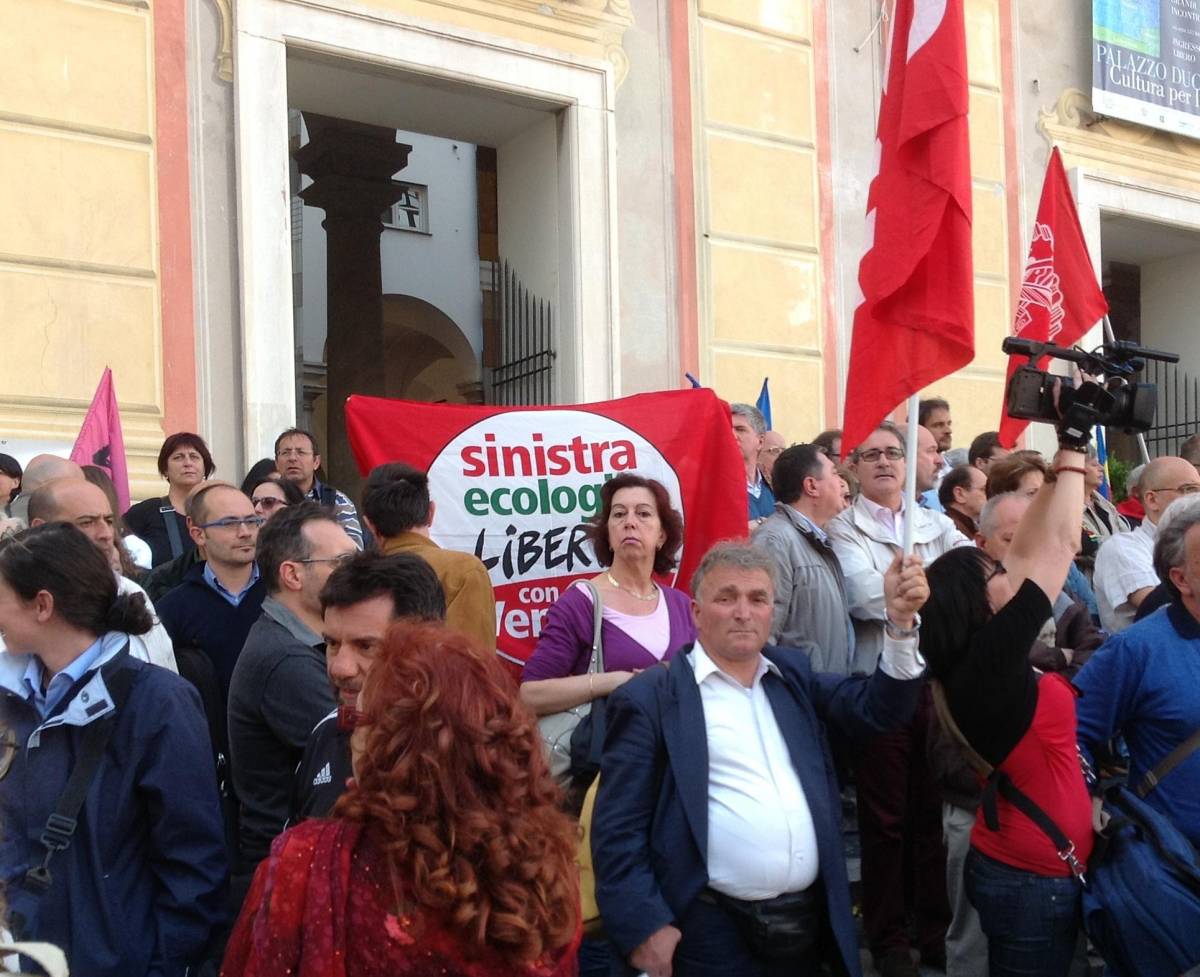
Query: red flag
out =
(518, 486)
(916, 322)
(100, 442)
(1060, 297)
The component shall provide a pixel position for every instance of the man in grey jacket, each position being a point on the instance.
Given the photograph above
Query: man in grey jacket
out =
(811, 611)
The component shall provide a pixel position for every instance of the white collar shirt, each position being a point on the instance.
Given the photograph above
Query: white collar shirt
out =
(891, 520)
(761, 838)
(1124, 565)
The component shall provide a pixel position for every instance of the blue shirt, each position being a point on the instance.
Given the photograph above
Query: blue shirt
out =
(759, 498)
(1144, 682)
(210, 578)
(60, 684)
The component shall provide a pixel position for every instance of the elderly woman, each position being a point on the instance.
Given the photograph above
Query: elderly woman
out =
(635, 535)
(448, 855)
(1022, 472)
(184, 461)
(981, 618)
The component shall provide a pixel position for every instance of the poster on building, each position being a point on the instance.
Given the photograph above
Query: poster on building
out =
(1146, 62)
(518, 486)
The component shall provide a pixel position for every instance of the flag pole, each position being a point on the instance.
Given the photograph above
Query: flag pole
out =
(1141, 438)
(910, 472)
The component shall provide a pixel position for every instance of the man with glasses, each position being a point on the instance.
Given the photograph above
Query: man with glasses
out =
(219, 600)
(279, 690)
(1125, 574)
(899, 808)
(297, 458)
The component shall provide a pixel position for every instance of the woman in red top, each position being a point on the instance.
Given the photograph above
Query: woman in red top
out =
(447, 856)
(976, 631)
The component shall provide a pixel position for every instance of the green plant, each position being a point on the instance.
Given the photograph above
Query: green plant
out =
(1118, 478)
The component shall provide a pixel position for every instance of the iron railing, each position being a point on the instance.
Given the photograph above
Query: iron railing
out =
(525, 374)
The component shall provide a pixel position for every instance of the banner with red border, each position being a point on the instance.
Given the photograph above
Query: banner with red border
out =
(518, 486)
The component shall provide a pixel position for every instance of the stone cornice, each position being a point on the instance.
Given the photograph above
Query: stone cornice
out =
(593, 26)
(1100, 142)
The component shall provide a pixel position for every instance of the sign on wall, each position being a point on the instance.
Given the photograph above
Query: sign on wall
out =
(518, 486)
(1146, 62)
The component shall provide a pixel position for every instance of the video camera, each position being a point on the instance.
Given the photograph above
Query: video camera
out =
(1113, 400)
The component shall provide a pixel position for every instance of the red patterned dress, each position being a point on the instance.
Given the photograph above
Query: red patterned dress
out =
(323, 905)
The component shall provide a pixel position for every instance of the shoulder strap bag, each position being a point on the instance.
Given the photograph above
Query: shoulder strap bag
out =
(173, 536)
(558, 727)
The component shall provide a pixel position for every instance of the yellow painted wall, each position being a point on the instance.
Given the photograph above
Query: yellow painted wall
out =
(758, 210)
(79, 231)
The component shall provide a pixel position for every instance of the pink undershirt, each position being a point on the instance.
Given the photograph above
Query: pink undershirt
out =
(652, 631)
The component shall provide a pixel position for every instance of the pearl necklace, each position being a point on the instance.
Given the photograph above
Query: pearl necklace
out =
(632, 593)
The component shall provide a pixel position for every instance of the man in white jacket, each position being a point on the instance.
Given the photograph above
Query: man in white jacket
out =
(895, 795)
(81, 503)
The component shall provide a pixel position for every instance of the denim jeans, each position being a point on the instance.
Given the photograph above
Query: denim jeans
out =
(1031, 921)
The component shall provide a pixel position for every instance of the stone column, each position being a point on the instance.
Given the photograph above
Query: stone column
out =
(351, 165)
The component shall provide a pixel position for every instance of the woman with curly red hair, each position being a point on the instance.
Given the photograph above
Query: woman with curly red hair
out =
(449, 854)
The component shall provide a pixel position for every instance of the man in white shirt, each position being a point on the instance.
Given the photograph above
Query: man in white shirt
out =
(716, 836)
(84, 505)
(1124, 573)
(899, 808)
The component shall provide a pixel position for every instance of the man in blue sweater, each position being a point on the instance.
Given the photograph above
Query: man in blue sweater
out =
(1145, 681)
(220, 599)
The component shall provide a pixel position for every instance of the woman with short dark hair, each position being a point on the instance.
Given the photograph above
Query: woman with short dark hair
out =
(636, 536)
(184, 461)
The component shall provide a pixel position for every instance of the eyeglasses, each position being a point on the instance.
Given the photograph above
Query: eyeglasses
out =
(997, 570)
(269, 502)
(338, 560)
(293, 453)
(230, 522)
(1187, 488)
(872, 455)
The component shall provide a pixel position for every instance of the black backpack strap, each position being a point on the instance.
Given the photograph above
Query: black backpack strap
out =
(1169, 763)
(1001, 783)
(173, 537)
(61, 824)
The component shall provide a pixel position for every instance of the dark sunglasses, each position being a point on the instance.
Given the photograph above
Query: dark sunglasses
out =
(997, 569)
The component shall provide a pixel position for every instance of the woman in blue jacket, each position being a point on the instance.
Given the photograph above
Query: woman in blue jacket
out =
(135, 886)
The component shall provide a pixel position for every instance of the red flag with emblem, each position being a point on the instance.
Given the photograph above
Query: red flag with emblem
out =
(916, 321)
(1060, 298)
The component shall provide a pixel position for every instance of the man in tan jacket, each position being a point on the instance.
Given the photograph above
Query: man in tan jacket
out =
(399, 511)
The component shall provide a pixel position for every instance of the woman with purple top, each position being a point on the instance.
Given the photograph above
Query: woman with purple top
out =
(635, 535)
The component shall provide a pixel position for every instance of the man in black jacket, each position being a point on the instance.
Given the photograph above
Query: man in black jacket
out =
(364, 597)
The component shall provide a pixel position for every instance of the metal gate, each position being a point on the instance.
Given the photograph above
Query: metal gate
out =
(525, 371)
(1178, 414)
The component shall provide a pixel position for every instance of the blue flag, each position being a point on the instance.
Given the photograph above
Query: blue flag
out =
(764, 403)
(1102, 457)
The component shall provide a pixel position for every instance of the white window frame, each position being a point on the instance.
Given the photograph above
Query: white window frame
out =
(582, 88)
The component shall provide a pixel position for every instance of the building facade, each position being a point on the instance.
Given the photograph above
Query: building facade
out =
(678, 184)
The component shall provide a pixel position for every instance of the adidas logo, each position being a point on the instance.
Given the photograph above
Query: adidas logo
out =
(324, 777)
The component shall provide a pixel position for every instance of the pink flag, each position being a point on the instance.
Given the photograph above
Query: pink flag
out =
(100, 442)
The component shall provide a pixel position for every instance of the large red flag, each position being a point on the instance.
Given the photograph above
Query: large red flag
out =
(1060, 297)
(100, 441)
(916, 321)
(519, 486)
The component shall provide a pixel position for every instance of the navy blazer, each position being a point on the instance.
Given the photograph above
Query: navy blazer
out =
(650, 826)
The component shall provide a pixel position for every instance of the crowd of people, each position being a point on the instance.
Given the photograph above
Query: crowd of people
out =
(258, 729)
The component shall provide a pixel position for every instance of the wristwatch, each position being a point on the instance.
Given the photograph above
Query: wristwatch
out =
(898, 633)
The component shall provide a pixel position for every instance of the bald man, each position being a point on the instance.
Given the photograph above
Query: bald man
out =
(40, 470)
(85, 506)
(1124, 574)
